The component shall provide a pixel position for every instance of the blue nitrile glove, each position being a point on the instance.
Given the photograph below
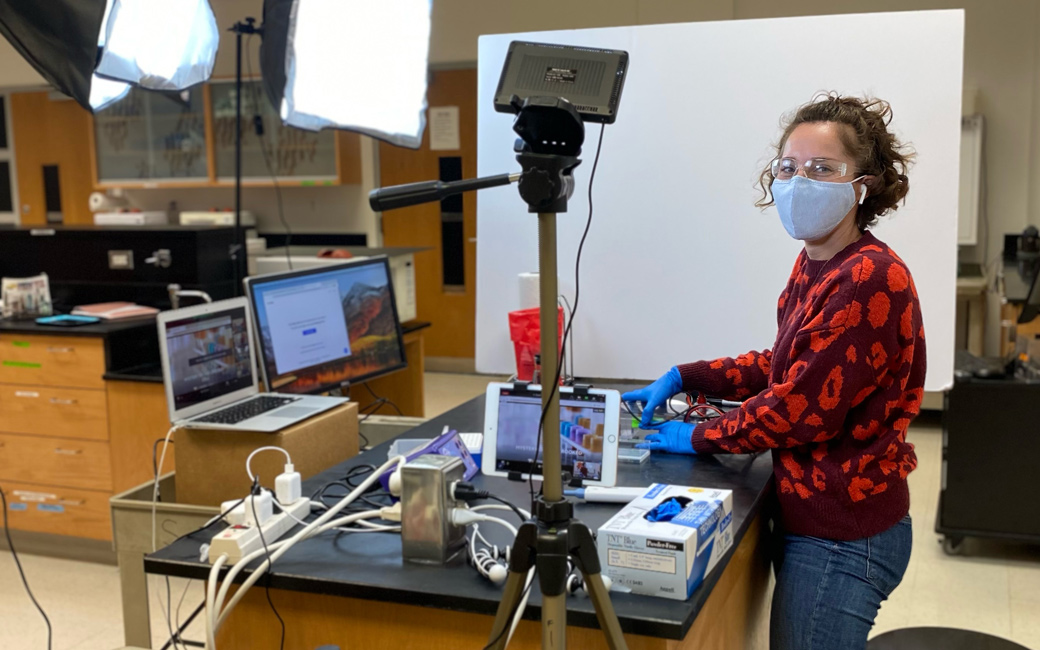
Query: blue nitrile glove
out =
(655, 395)
(672, 436)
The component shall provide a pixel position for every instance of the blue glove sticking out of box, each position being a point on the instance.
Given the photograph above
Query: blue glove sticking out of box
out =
(666, 510)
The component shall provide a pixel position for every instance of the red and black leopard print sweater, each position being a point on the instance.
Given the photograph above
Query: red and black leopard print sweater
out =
(835, 395)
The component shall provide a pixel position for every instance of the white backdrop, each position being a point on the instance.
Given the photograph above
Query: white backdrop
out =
(679, 265)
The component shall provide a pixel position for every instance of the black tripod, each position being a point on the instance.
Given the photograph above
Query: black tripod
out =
(551, 135)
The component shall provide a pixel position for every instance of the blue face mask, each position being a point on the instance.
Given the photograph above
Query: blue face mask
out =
(811, 210)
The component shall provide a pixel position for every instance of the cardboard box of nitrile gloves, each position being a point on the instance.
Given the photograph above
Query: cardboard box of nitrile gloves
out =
(665, 542)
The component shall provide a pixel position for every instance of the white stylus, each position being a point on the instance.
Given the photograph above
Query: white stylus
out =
(595, 494)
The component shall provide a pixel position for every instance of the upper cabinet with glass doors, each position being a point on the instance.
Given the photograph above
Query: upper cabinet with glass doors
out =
(149, 137)
(154, 140)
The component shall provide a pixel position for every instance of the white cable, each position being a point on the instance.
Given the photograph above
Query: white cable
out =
(495, 506)
(368, 525)
(155, 500)
(523, 605)
(246, 560)
(249, 459)
(467, 516)
(158, 473)
(211, 594)
(310, 530)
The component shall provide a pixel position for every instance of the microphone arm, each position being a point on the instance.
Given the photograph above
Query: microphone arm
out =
(402, 196)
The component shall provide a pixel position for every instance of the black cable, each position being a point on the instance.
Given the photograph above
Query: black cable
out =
(675, 416)
(570, 321)
(18, 563)
(177, 612)
(357, 471)
(216, 520)
(169, 614)
(267, 552)
(263, 149)
(381, 399)
(513, 507)
(512, 614)
(466, 491)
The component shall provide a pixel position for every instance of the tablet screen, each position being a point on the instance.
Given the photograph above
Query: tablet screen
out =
(582, 419)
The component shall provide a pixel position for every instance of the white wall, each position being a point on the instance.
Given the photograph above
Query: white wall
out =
(690, 209)
(15, 71)
(1001, 62)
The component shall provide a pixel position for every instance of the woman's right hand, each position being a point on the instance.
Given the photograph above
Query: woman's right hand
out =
(655, 395)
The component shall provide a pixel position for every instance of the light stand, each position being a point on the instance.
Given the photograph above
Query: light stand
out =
(551, 133)
(238, 248)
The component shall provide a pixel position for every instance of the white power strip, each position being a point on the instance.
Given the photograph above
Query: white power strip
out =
(242, 539)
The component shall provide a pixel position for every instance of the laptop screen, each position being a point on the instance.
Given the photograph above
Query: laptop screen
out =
(323, 327)
(582, 420)
(208, 356)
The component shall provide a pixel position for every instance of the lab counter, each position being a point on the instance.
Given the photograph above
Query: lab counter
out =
(104, 328)
(352, 578)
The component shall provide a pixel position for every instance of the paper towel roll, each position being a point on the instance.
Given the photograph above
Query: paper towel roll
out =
(528, 290)
(102, 202)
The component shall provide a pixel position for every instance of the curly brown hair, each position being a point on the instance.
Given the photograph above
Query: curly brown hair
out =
(868, 141)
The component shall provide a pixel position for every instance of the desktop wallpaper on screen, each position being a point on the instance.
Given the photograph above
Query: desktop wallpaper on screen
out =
(360, 301)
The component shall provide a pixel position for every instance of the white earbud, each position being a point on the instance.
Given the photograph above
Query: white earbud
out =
(490, 568)
(863, 193)
(576, 584)
(395, 482)
(497, 573)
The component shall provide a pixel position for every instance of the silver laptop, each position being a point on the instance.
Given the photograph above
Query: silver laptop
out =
(209, 371)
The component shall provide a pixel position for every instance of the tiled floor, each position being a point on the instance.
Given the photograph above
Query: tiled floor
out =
(994, 588)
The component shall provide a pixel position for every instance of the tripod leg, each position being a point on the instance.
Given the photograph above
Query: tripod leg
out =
(554, 622)
(608, 621)
(511, 595)
(521, 559)
(583, 550)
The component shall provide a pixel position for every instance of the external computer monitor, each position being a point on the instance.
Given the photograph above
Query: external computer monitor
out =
(321, 328)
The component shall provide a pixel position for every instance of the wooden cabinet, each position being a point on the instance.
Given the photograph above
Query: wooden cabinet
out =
(69, 440)
(46, 411)
(56, 461)
(58, 510)
(67, 361)
(150, 139)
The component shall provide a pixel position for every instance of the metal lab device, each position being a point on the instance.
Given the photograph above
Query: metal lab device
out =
(427, 532)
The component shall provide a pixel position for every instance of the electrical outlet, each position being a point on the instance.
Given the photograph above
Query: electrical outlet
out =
(242, 539)
(121, 260)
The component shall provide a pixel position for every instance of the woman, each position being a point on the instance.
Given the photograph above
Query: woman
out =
(832, 399)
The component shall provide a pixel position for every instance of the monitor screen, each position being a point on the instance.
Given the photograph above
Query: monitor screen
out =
(582, 419)
(320, 328)
(208, 356)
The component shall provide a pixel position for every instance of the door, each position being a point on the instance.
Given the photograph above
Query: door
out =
(445, 275)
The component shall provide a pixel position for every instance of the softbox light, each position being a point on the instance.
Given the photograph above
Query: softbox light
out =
(159, 44)
(156, 44)
(59, 39)
(356, 65)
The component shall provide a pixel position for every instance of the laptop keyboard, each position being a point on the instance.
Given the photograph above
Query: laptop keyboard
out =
(244, 410)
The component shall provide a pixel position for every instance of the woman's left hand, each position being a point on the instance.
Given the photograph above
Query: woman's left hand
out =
(673, 437)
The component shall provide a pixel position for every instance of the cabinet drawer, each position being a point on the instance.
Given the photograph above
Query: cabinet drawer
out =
(52, 360)
(59, 511)
(60, 412)
(56, 461)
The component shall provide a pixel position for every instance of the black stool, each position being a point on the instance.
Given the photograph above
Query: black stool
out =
(939, 638)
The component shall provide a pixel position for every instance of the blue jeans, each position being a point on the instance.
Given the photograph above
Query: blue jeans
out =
(828, 593)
